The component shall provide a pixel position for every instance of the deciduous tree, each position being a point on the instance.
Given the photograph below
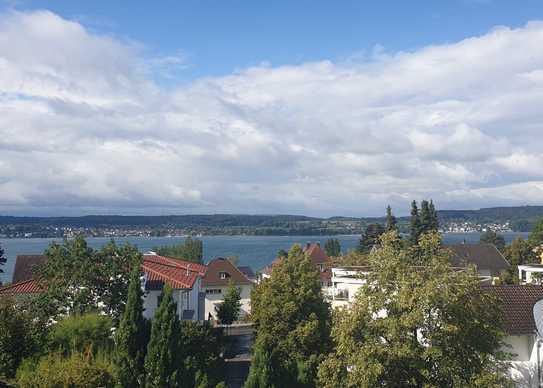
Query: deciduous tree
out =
(292, 325)
(228, 310)
(417, 323)
(191, 249)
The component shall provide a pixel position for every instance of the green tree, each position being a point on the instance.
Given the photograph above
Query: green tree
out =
(415, 224)
(90, 333)
(425, 217)
(78, 279)
(228, 310)
(417, 323)
(3, 260)
(189, 250)
(491, 237)
(536, 235)
(370, 238)
(162, 363)
(292, 322)
(434, 225)
(131, 336)
(519, 252)
(16, 336)
(391, 222)
(332, 247)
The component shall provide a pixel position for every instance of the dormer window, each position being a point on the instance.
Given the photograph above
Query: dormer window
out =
(224, 275)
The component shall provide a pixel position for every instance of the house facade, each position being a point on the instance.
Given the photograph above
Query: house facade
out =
(219, 275)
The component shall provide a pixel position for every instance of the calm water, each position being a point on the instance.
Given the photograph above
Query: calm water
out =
(255, 251)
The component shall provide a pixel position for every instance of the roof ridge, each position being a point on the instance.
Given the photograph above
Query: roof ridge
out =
(171, 278)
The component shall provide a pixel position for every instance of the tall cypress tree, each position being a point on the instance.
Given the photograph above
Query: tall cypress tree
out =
(2, 261)
(131, 336)
(162, 363)
(391, 222)
(425, 217)
(415, 223)
(433, 216)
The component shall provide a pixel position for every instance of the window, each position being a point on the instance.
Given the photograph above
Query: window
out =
(214, 291)
(224, 275)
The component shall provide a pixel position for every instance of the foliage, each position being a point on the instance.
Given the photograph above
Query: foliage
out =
(3, 260)
(423, 221)
(417, 323)
(190, 250)
(536, 236)
(519, 252)
(57, 370)
(282, 253)
(18, 336)
(491, 237)
(292, 323)
(81, 333)
(162, 362)
(370, 238)
(78, 279)
(201, 346)
(228, 310)
(415, 228)
(352, 258)
(132, 336)
(391, 221)
(332, 247)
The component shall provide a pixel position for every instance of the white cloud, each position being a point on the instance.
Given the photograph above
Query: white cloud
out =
(84, 127)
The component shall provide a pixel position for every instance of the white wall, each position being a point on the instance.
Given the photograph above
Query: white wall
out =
(524, 361)
(212, 300)
(184, 302)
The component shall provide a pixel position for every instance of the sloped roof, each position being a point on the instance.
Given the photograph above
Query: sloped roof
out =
(316, 253)
(176, 273)
(247, 271)
(483, 256)
(25, 287)
(517, 306)
(218, 265)
(25, 265)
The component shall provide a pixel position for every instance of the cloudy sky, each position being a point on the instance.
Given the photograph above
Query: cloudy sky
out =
(98, 116)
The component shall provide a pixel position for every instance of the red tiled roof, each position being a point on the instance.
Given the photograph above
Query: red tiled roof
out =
(175, 273)
(25, 287)
(171, 261)
(517, 306)
(218, 265)
(316, 253)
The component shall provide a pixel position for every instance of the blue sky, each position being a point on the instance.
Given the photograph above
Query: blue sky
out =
(299, 107)
(219, 37)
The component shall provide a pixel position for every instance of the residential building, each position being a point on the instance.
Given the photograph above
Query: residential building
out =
(530, 273)
(486, 258)
(346, 281)
(219, 275)
(25, 265)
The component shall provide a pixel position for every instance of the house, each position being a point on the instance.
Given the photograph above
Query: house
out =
(219, 275)
(518, 318)
(25, 265)
(486, 258)
(345, 283)
(530, 273)
(183, 277)
(318, 257)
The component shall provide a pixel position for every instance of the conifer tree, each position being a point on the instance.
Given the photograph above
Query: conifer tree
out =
(228, 310)
(162, 363)
(370, 238)
(415, 223)
(131, 336)
(332, 247)
(425, 217)
(2, 260)
(433, 215)
(391, 222)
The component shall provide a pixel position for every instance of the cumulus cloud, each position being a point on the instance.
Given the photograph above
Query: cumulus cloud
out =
(85, 127)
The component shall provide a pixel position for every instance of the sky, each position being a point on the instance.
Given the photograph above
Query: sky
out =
(307, 107)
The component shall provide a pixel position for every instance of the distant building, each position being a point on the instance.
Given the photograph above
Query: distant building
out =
(219, 274)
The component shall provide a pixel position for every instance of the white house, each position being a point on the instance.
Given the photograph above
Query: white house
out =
(530, 273)
(219, 274)
(345, 283)
(183, 277)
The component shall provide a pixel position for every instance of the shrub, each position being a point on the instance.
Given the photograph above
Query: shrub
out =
(79, 333)
(76, 370)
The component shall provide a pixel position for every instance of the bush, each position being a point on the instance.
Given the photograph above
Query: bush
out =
(76, 370)
(81, 333)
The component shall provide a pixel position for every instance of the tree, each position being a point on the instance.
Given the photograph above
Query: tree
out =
(332, 247)
(391, 222)
(131, 336)
(162, 363)
(78, 279)
(189, 250)
(491, 237)
(519, 252)
(415, 225)
(434, 225)
(3, 260)
(292, 322)
(417, 323)
(536, 235)
(16, 336)
(370, 238)
(425, 217)
(228, 310)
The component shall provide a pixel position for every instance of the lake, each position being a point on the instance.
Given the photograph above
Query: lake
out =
(255, 251)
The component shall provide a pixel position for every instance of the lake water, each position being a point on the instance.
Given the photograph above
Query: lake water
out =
(255, 251)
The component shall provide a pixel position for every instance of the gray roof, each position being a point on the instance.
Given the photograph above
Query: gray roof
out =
(485, 257)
